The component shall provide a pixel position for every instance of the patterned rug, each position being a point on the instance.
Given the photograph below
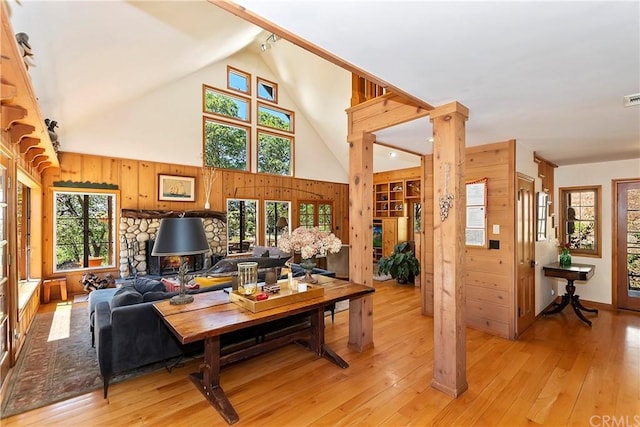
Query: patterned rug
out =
(57, 362)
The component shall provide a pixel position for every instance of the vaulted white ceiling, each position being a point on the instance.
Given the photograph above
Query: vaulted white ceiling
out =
(551, 75)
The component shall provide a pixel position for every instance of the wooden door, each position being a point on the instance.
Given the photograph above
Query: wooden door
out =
(525, 253)
(627, 245)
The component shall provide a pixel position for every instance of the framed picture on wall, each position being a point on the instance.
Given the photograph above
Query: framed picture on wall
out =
(176, 188)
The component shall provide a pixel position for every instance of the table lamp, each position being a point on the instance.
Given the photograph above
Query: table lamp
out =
(180, 237)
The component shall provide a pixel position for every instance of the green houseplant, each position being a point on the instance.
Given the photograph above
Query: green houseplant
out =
(402, 264)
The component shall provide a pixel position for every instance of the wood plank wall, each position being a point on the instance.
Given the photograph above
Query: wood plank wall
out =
(138, 184)
(489, 274)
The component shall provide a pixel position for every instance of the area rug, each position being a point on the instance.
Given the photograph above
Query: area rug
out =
(57, 362)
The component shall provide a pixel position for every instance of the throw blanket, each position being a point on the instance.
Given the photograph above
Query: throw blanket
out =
(174, 285)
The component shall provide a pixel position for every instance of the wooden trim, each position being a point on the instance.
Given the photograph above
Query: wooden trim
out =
(269, 83)
(229, 95)
(382, 112)
(239, 71)
(278, 109)
(597, 189)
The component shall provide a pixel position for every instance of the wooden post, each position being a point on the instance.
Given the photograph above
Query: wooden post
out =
(361, 238)
(449, 341)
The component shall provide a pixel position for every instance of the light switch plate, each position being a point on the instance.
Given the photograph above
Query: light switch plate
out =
(496, 228)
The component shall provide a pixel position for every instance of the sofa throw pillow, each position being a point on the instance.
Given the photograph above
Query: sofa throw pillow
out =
(144, 285)
(126, 295)
(174, 286)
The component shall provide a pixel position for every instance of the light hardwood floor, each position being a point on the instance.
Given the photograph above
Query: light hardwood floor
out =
(560, 372)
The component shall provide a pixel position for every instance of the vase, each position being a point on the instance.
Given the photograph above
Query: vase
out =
(308, 266)
(565, 259)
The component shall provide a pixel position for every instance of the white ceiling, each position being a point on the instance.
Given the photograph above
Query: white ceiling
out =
(551, 75)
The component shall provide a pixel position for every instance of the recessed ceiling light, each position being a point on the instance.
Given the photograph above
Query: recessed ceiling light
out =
(392, 154)
(430, 140)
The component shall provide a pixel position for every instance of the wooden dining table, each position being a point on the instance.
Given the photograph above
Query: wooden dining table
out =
(211, 315)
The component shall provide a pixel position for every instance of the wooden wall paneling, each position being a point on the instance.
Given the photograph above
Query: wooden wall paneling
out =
(72, 168)
(111, 170)
(499, 297)
(129, 180)
(227, 189)
(493, 162)
(147, 186)
(91, 169)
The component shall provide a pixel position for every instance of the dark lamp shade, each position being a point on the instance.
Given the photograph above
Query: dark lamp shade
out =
(180, 236)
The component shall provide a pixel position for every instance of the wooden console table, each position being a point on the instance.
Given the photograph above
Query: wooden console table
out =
(212, 315)
(571, 273)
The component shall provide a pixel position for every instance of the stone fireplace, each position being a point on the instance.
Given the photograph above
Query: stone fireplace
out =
(139, 227)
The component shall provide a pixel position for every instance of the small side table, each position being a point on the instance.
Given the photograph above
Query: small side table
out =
(571, 273)
(47, 284)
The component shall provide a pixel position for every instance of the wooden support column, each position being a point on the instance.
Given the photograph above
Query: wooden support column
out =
(361, 238)
(449, 324)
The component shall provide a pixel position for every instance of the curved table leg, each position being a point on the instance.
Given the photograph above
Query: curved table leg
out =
(558, 306)
(583, 308)
(579, 313)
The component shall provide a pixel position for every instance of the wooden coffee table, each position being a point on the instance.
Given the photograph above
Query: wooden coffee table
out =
(212, 315)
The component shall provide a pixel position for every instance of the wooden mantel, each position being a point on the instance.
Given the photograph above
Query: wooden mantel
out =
(146, 214)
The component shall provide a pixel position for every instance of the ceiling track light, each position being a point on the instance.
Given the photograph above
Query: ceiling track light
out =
(268, 42)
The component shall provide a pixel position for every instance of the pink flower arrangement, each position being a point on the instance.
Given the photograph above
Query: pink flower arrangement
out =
(309, 242)
(564, 248)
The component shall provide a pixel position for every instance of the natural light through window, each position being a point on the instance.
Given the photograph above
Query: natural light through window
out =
(61, 323)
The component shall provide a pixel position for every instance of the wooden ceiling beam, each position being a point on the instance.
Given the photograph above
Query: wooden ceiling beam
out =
(382, 112)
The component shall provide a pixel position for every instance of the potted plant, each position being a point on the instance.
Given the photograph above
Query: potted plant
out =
(402, 264)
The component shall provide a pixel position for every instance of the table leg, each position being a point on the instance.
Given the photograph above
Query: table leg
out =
(577, 307)
(208, 381)
(317, 340)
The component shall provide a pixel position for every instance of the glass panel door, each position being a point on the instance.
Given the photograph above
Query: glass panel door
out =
(628, 248)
